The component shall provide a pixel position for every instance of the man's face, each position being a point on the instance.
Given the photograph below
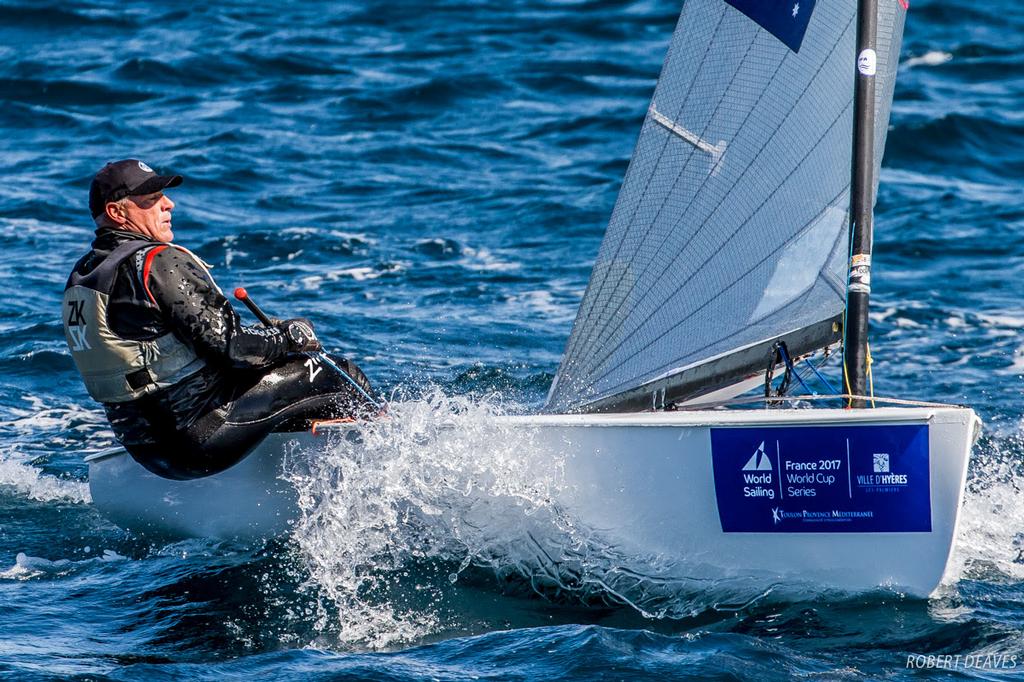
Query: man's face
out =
(149, 214)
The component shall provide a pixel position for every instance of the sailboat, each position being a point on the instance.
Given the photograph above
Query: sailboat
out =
(739, 246)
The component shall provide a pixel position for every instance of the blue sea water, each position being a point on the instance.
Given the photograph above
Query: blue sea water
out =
(429, 183)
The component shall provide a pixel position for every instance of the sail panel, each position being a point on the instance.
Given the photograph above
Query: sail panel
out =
(739, 182)
(892, 16)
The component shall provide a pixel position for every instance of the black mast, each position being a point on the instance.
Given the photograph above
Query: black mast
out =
(862, 202)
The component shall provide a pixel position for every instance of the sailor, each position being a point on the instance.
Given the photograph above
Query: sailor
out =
(187, 388)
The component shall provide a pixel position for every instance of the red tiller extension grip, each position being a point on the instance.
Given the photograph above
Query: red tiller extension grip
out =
(243, 296)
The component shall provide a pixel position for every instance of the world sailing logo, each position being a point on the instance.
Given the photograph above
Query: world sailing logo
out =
(757, 475)
(759, 461)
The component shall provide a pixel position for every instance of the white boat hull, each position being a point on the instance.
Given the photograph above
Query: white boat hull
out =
(680, 496)
(249, 500)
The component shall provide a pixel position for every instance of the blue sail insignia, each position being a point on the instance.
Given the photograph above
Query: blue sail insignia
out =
(787, 20)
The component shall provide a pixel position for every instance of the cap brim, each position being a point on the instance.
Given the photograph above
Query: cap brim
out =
(156, 184)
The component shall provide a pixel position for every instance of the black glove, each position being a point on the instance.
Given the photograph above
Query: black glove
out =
(301, 337)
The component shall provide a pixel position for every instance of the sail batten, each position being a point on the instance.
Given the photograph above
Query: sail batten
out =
(730, 226)
(715, 150)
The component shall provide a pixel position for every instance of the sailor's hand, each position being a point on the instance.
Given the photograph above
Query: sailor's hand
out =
(301, 336)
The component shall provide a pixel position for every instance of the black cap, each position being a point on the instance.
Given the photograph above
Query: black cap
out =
(126, 178)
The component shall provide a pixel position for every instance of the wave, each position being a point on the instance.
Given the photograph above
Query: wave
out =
(57, 16)
(373, 503)
(32, 483)
(990, 538)
(69, 92)
(981, 140)
(195, 72)
(30, 567)
(932, 58)
(36, 426)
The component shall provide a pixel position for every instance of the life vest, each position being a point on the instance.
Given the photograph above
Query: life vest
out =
(113, 368)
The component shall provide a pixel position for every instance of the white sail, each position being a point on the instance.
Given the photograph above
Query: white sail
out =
(730, 230)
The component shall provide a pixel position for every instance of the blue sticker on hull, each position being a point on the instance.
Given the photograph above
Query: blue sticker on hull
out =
(822, 479)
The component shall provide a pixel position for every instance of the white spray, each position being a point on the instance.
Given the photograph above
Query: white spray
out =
(437, 480)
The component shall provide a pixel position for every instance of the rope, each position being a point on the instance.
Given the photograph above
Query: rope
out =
(821, 378)
(781, 351)
(871, 377)
(330, 363)
(846, 376)
(776, 354)
(791, 368)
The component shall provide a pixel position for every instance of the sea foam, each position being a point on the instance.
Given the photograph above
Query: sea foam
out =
(990, 538)
(434, 481)
(29, 481)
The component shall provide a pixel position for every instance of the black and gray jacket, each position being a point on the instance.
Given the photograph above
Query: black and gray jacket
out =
(154, 338)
